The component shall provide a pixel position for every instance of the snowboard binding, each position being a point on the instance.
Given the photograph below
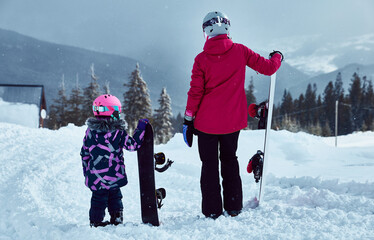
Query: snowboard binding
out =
(256, 164)
(160, 195)
(260, 112)
(160, 160)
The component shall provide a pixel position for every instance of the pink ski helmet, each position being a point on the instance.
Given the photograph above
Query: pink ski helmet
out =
(106, 105)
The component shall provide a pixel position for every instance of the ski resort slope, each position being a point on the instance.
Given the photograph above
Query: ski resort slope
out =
(314, 190)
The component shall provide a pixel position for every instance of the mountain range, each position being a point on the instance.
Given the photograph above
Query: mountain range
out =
(26, 60)
(346, 73)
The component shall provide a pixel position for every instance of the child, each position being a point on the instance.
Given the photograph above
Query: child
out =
(217, 109)
(102, 158)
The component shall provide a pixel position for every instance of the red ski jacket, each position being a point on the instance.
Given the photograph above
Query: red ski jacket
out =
(217, 97)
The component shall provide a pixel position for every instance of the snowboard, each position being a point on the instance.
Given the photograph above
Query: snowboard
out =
(150, 197)
(260, 159)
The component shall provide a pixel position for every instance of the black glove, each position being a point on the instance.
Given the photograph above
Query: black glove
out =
(188, 130)
(274, 52)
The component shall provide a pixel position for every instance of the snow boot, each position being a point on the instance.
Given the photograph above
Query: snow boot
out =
(99, 224)
(116, 218)
(213, 216)
(234, 213)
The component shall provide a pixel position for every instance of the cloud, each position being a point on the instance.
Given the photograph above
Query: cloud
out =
(362, 48)
(315, 54)
(366, 39)
(293, 44)
(314, 64)
(168, 33)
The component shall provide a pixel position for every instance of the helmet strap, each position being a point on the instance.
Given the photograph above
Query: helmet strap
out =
(206, 37)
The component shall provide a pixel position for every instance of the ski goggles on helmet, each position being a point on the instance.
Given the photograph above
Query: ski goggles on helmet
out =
(216, 20)
(105, 108)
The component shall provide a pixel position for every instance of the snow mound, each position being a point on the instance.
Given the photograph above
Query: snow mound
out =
(19, 113)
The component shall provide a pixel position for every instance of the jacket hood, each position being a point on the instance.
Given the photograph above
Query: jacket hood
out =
(105, 125)
(218, 45)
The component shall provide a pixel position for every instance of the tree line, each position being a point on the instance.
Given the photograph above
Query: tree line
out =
(309, 112)
(76, 107)
(316, 114)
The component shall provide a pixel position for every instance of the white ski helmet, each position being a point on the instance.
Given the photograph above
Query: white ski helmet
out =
(216, 23)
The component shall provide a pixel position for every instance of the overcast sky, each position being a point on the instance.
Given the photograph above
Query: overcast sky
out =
(170, 30)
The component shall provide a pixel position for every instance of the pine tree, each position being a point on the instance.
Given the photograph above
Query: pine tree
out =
(106, 88)
(137, 102)
(326, 130)
(310, 104)
(249, 92)
(58, 112)
(344, 112)
(286, 106)
(75, 105)
(91, 92)
(178, 123)
(320, 118)
(163, 128)
(368, 104)
(315, 129)
(338, 87)
(344, 116)
(298, 106)
(290, 124)
(355, 97)
(329, 101)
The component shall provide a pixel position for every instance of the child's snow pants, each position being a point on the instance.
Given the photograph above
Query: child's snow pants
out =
(102, 199)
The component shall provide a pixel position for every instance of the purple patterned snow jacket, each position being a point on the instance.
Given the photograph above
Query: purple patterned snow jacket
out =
(102, 154)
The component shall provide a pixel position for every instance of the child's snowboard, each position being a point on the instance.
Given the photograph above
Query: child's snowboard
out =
(150, 197)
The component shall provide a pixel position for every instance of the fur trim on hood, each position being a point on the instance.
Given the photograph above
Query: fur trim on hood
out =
(105, 125)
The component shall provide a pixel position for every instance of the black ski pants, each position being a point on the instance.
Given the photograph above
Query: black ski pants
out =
(213, 148)
(102, 199)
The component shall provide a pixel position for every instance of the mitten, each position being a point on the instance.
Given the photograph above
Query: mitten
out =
(188, 130)
(142, 124)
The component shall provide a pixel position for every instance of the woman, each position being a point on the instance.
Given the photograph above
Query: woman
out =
(216, 111)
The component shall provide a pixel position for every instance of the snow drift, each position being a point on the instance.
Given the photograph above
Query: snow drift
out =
(19, 113)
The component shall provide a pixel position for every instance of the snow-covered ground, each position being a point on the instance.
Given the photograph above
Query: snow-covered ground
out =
(19, 113)
(314, 190)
